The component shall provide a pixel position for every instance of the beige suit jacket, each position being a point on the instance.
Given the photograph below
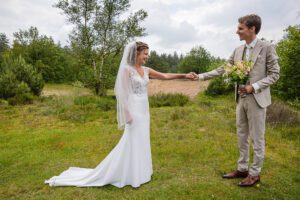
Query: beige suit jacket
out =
(265, 70)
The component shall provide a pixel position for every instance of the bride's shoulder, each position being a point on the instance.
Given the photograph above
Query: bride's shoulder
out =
(147, 69)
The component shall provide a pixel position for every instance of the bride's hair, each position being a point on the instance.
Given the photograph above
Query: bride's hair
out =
(134, 50)
(140, 46)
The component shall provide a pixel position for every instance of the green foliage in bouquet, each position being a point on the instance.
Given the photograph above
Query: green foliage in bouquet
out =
(239, 72)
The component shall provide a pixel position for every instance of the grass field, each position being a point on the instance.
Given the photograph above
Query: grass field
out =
(192, 146)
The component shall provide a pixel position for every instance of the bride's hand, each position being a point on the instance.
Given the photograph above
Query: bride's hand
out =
(189, 76)
(128, 117)
(192, 76)
(129, 121)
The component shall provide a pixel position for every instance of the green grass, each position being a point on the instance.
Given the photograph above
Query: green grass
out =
(192, 146)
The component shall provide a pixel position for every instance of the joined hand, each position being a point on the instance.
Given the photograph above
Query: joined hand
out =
(192, 75)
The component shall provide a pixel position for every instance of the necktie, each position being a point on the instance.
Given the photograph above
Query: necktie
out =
(248, 48)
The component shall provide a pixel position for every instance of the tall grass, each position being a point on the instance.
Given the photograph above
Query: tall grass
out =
(161, 99)
(192, 146)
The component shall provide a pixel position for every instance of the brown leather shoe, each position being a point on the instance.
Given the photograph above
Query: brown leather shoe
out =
(236, 174)
(249, 181)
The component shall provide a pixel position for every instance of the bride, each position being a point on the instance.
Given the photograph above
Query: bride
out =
(129, 163)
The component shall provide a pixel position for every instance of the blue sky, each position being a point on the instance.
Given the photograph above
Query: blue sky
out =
(172, 25)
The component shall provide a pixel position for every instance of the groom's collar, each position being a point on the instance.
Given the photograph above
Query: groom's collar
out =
(252, 44)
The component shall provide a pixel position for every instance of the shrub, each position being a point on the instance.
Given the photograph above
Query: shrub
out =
(26, 73)
(218, 86)
(78, 84)
(278, 113)
(19, 80)
(3, 102)
(23, 95)
(104, 103)
(8, 84)
(21, 99)
(294, 103)
(17, 71)
(162, 99)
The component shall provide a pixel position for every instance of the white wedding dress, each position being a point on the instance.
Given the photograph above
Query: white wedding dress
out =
(129, 163)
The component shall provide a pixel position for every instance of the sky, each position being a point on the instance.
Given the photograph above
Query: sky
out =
(171, 25)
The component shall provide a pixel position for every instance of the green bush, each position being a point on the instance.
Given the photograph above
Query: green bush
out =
(3, 102)
(21, 99)
(78, 84)
(23, 95)
(161, 99)
(8, 84)
(288, 49)
(218, 86)
(26, 73)
(18, 79)
(104, 103)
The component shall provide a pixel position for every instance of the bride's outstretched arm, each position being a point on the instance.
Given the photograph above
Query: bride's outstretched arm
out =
(168, 76)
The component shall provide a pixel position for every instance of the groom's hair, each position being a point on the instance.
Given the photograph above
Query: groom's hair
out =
(250, 21)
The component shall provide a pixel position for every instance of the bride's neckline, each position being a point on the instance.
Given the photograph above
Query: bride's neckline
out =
(142, 76)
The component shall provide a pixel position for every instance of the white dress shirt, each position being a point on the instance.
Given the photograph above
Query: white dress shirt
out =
(248, 54)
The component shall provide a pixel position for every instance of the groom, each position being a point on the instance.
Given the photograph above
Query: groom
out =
(251, 109)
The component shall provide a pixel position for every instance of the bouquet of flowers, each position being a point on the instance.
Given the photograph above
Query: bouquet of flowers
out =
(239, 72)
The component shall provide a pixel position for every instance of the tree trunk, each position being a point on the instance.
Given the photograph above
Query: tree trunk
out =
(100, 82)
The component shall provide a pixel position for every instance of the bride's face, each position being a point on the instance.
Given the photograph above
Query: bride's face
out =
(142, 56)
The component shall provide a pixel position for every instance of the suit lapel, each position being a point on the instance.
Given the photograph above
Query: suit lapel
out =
(240, 53)
(256, 51)
(238, 58)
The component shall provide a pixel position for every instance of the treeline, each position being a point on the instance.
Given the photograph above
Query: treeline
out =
(55, 63)
(34, 59)
(48, 62)
(95, 50)
(198, 60)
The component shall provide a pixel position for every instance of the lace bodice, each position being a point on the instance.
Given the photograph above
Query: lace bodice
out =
(139, 85)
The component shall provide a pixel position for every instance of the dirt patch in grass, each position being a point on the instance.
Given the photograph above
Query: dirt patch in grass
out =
(186, 87)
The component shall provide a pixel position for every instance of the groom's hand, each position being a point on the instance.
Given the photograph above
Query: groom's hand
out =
(191, 76)
(194, 76)
(247, 89)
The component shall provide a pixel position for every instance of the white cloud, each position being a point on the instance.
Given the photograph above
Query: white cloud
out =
(15, 15)
(172, 25)
(213, 23)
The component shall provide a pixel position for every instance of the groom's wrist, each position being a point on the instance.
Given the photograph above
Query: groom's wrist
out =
(201, 77)
(256, 88)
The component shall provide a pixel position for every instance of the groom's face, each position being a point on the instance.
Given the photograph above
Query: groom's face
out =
(244, 32)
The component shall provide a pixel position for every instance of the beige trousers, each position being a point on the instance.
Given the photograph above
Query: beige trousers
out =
(250, 122)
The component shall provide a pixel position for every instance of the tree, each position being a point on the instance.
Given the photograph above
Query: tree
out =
(288, 50)
(53, 61)
(197, 60)
(4, 46)
(18, 77)
(4, 43)
(163, 62)
(157, 62)
(100, 33)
